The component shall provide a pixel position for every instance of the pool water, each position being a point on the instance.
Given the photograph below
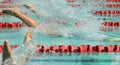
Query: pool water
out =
(60, 9)
(65, 59)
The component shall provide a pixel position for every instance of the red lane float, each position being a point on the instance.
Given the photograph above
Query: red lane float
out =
(17, 25)
(13, 25)
(108, 13)
(1, 25)
(110, 26)
(81, 48)
(63, 48)
(116, 48)
(71, 0)
(111, 5)
(54, 48)
(72, 48)
(99, 48)
(109, 48)
(113, 1)
(106, 23)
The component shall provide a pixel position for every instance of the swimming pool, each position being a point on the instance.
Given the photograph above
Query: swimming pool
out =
(48, 40)
(55, 58)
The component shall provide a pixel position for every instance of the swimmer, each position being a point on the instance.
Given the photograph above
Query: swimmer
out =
(33, 23)
(33, 9)
(7, 53)
(28, 21)
(103, 28)
(28, 36)
(40, 14)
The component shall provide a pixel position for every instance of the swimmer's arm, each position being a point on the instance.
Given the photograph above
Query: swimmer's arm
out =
(49, 31)
(33, 9)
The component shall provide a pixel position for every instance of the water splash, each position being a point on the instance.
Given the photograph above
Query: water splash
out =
(21, 55)
(65, 27)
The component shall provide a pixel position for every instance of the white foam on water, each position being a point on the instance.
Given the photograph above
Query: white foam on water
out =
(38, 5)
(56, 25)
(21, 55)
(116, 60)
(52, 7)
(25, 29)
(88, 29)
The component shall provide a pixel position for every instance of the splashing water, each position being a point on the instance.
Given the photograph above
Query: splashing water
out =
(21, 55)
(116, 60)
(63, 10)
(66, 27)
(77, 10)
(60, 22)
(45, 8)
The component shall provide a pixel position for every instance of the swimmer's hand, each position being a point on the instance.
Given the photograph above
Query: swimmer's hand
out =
(28, 6)
(28, 36)
(33, 9)
(10, 11)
